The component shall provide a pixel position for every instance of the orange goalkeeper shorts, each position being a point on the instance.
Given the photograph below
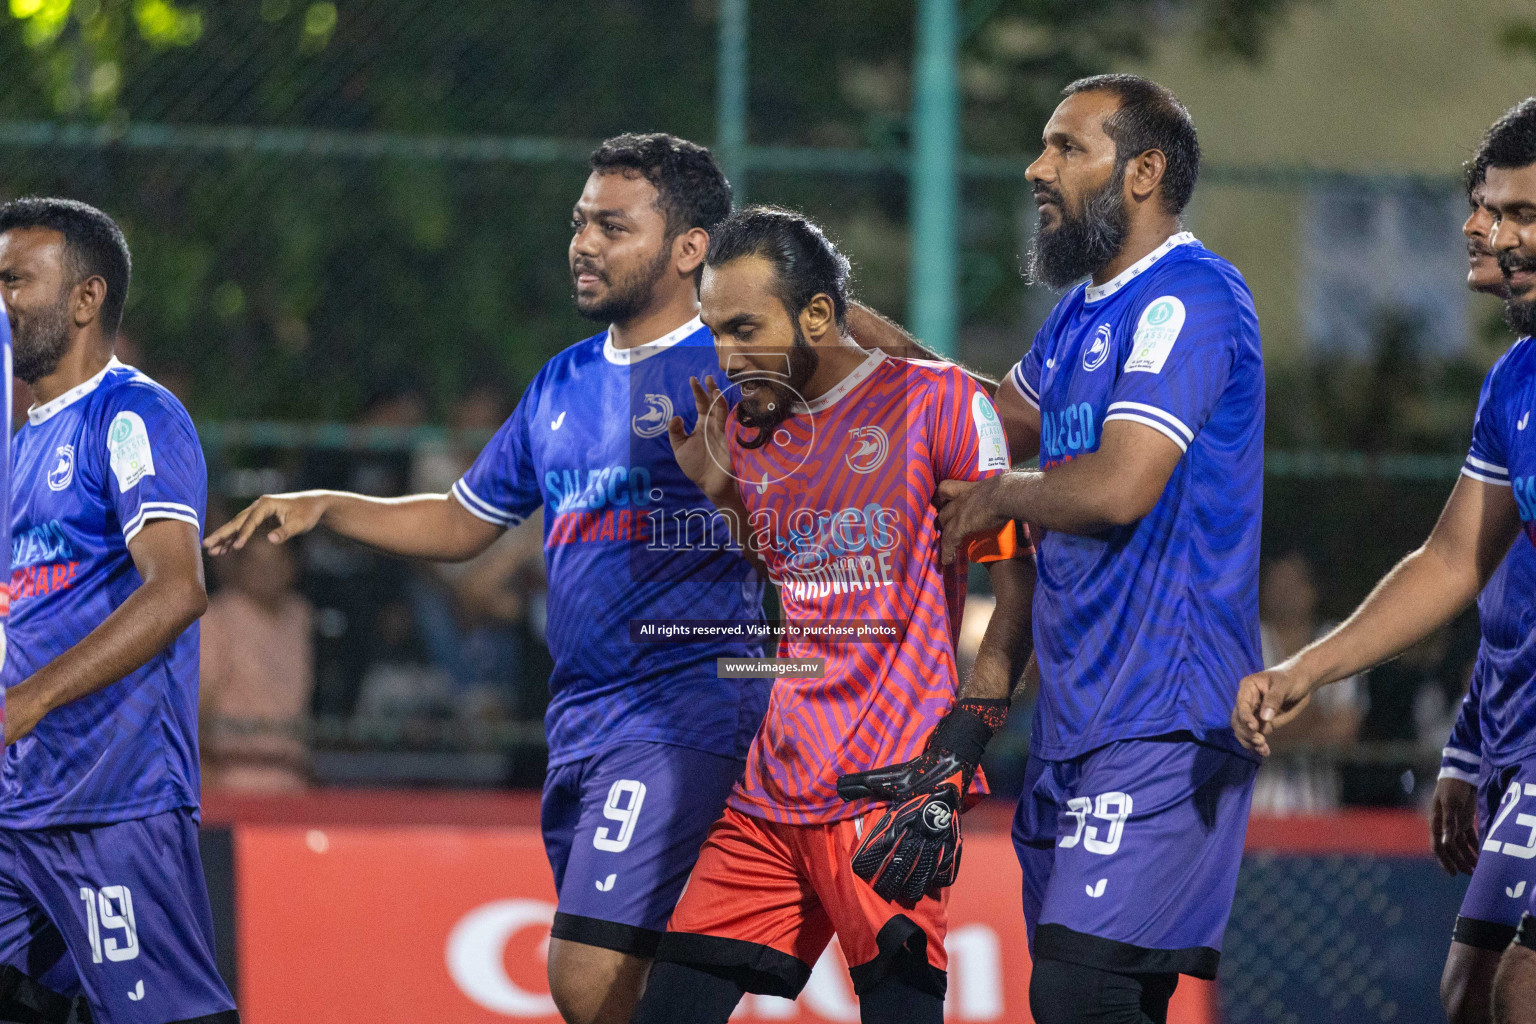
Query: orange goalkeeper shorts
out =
(765, 898)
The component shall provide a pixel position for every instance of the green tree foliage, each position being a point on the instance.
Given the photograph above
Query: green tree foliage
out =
(291, 284)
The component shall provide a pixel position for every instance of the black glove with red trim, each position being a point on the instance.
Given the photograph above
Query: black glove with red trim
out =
(914, 849)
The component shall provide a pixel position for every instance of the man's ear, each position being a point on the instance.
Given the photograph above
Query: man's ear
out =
(87, 299)
(689, 249)
(1145, 173)
(819, 317)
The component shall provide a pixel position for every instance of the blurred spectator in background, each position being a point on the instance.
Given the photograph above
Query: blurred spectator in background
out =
(473, 615)
(437, 466)
(401, 682)
(347, 582)
(1302, 777)
(258, 673)
(1412, 700)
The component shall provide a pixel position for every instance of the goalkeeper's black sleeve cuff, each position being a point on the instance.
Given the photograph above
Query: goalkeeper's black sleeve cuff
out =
(965, 731)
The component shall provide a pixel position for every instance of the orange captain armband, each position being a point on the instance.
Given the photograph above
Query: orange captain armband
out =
(999, 546)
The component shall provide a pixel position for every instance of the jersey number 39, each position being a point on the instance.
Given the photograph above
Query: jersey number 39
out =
(1113, 808)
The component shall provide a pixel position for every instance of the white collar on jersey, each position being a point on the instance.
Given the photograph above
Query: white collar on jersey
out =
(854, 379)
(1096, 292)
(43, 413)
(631, 356)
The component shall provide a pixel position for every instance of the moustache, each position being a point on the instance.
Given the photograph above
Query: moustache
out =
(1042, 191)
(580, 267)
(1478, 247)
(1509, 263)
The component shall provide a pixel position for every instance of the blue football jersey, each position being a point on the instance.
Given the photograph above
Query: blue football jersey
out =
(90, 468)
(627, 539)
(1495, 720)
(1503, 453)
(1145, 630)
(5, 483)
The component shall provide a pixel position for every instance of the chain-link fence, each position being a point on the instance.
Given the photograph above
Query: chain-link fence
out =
(349, 221)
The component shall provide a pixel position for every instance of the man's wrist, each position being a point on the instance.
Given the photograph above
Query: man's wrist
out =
(724, 497)
(1312, 670)
(1458, 764)
(969, 726)
(326, 501)
(1009, 497)
(30, 699)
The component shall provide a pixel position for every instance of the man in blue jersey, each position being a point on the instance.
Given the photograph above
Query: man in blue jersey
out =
(21, 997)
(7, 395)
(1493, 500)
(99, 793)
(1144, 395)
(644, 740)
(1481, 766)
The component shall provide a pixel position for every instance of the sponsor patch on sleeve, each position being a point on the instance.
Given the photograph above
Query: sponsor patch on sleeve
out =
(991, 447)
(1156, 332)
(128, 450)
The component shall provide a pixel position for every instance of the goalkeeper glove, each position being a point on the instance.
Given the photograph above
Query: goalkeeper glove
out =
(914, 849)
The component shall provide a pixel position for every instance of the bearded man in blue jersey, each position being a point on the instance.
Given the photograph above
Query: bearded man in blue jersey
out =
(99, 793)
(21, 996)
(1144, 395)
(644, 740)
(1491, 505)
(1481, 765)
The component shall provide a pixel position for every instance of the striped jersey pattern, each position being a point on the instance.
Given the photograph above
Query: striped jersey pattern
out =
(841, 506)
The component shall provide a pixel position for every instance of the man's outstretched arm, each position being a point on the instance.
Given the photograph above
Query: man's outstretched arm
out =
(1423, 592)
(432, 526)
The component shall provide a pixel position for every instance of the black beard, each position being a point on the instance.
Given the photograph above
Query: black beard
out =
(39, 342)
(1081, 246)
(803, 361)
(630, 296)
(1521, 316)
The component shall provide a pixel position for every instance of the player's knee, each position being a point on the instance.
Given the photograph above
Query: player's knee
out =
(1514, 987)
(1064, 993)
(591, 985)
(582, 1003)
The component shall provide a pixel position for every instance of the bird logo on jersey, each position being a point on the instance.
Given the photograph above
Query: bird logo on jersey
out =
(1097, 352)
(653, 422)
(873, 447)
(62, 473)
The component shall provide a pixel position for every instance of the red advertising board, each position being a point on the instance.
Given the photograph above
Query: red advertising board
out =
(450, 924)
